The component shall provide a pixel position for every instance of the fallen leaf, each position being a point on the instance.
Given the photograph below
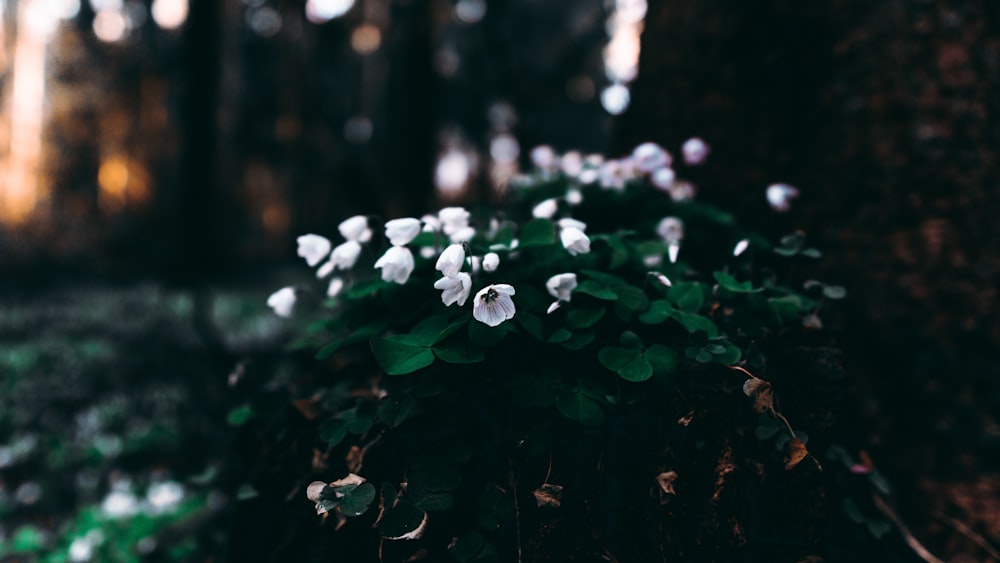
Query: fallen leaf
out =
(306, 407)
(548, 496)
(351, 479)
(760, 390)
(796, 453)
(666, 482)
(686, 419)
(354, 458)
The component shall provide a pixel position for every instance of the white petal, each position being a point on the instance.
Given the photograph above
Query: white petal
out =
(663, 178)
(464, 234)
(491, 262)
(282, 301)
(575, 241)
(664, 280)
(674, 249)
(451, 260)
(650, 156)
(574, 196)
(401, 231)
(545, 209)
(336, 285)
(427, 252)
(741, 247)
(570, 222)
(355, 228)
(325, 269)
(345, 255)
(561, 286)
(396, 264)
(503, 288)
(313, 248)
(670, 229)
(453, 218)
(555, 305)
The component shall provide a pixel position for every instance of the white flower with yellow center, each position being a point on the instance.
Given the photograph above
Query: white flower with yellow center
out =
(356, 229)
(313, 248)
(454, 290)
(396, 264)
(493, 304)
(401, 231)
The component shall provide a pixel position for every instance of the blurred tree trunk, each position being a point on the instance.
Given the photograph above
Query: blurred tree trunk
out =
(885, 115)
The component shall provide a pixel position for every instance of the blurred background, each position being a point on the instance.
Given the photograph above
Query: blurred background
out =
(158, 158)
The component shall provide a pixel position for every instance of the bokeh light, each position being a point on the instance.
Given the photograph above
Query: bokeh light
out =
(110, 26)
(322, 11)
(366, 39)
(170, 14)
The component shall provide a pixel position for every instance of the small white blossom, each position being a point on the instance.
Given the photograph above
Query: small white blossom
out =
(453, 219)
(451, 260)
(570, 222)
(575, 241)
(454, 289)
(571, 163)
(612, 175)
(464, 234)
(681, 191)
(673, 249)
(325, 270)
(574, 196)
(431, 223)
(695, 151)
(653, 260)
(356, 229)
(545, 209)
(493, 304)
(663, 178)
(313, 248)
(780, 196)
(476, 262)
(345, 255)
(427, 252)
(82, 549)
(664, 280)
(561, 286)
(396, 264)
(650, 156)
(670, 229)
(164, 497)
(553, 307)
(401, 231)
(491, 262)
(282, 301)
(545, 158)
(120, 504)
(741, 247)
(336, 285)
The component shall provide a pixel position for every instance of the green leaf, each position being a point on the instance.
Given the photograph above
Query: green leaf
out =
(401, 520)
(428, 384)
(694, 323)
(531, 324)
(619, 252)
(630, 364)
(365, 288)
(630, 339)
(434, 501)
(687, 296)
(459, 351)
(584, 318)
(661, 358)
(537, 232)
(631, 298)
(729, 282)
(359, 335)
(395, 408)
(812, 253)
(504, 235)
(659, 311)
(434, 329)
(533, 391)
(357, 501)
(467, 547)
(398, 358)
(560, 335)
(579, 341)
(333, 431)
(486, 336)
(730, 355)
(576, 405)
(595, 289)
(240, 415)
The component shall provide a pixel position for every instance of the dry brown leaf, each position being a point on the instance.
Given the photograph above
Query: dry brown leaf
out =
(666, 482)
(351, 479)
(314, 489)
(306, 407)
(354, 458)
(686, 419)
(760, 390)
(548, 496)
(796, 453)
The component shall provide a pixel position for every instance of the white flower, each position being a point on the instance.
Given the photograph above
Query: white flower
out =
(561, 286)
(650, 156)
(544, 157)
(741, 247)
(493, 304)
(345, 255)
(574, 196)
(82, 549)
(401, 231)
(427, 252)
(313, 248)
(570, 222)
(476, 262)
(325, 269)
(545, 209)
(336, 285)
(431, 223)
(454, 290)
(653, 260)
(464, 234)
(120, 504)
(553, 307)
(282, 301)
(575, 241)
(695, 151)
(164, 497)
(612, 175)
(571, 163)
(670, 229)
(356, 229)
(681, 191)
(663, 178)
(453, 219)
(396, 264)
(780, 196)
(673, 249)
(664, 280)
(491, 262)
(451, 260)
